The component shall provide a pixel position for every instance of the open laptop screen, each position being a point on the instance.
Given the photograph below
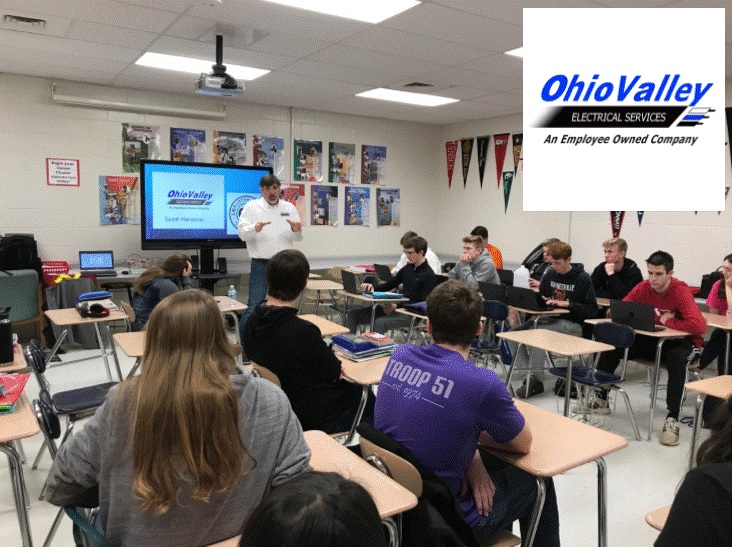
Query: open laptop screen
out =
(96, 260)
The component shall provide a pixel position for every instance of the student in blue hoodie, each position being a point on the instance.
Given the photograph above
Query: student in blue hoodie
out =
(293, 348)
(564, 285)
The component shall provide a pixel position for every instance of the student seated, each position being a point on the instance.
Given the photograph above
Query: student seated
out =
(158, 282)
(475, 264)
(675, 308)
(316, 510)
(429, 254)
(701, 514)
(538, 270)
(615, 277)
(417, 280)
(310, 373)
(494, 251)
(441, 418)
(183, 453)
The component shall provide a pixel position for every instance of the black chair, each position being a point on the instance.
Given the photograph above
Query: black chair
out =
(75, 404)
(487, 344)
(506, 276)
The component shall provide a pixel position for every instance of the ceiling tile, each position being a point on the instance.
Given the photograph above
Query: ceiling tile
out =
(371, 60)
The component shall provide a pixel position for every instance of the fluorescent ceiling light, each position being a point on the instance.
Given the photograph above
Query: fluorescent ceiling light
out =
(196, 66)
(420, 99)
(368, 11)
(518, 52)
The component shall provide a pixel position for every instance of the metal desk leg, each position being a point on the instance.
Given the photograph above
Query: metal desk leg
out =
(373, 316)
(411, 327)
(510, 369)
(654, 388)
(535, 513)
(59, 341)
(359, 413)
(18, 481)
(114, 352)
(134, 367)
(601, 502)
(726, 356)
(394, 530)
(104, 352)
(695, 431)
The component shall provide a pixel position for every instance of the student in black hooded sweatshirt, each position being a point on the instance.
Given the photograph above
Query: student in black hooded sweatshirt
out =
(293, 348)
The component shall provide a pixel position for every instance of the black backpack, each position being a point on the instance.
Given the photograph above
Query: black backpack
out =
(707, 281)
(20, 252)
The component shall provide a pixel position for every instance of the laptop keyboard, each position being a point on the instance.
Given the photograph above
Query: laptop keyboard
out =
(101, 273)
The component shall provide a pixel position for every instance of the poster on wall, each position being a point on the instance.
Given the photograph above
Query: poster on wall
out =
(324, 205)
(342, 163)
(119, 201)
(187, 144)
(358, 207)
(387, 206)
(62, 172)
(270, 152)
(139, 142)
(229, 148)
(295, 194)
(373, 164)
(308, 160)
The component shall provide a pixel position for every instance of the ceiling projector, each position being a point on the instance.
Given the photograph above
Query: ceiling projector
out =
(218, 83)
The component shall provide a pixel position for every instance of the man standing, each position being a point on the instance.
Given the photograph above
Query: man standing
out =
(494, 251)
(675, 308)
(615, 277)
(268, 225)
(475, 264)
(417, 280)
(440, 406)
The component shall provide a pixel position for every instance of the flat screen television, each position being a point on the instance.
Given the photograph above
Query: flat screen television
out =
(195, 205)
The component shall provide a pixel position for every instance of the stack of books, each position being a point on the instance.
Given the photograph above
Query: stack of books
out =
(11, 387)
(358, 347)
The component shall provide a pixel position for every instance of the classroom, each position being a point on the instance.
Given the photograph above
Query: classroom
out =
(318, 63)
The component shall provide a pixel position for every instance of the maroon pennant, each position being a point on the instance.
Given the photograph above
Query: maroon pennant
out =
(451, 148)
(466, 145)
(483, 143)
(500, 144)
(616, 222)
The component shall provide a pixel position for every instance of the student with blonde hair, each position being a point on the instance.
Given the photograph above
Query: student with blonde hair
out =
(155, 283)
(183, 453)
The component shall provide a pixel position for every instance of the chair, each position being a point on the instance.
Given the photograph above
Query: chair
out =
(21, 291)
(340, 303)
(112, 286)
(486, 345)
(75, 404)
(131, 316)
(506, 276)
(619, 336)
(264, 372)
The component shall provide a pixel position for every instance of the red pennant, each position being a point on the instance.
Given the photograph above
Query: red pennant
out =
(616, 222)
(500, 144)
(451, 148)
(518, 139)
(466, 145)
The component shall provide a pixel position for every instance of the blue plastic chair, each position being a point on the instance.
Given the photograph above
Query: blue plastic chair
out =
(486, 345)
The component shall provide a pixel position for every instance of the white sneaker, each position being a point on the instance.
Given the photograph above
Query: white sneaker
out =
(595, 406)
(670, 434)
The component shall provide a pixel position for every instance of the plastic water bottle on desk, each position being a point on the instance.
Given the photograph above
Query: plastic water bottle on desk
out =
(232, 292)
(521, 277)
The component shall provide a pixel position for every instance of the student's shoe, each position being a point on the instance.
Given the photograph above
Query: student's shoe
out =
(670, 434)
(535, 387)
(595, 406)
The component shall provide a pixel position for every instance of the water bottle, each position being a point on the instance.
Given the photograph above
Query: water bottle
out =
(521, 277)
(6, 336)
(232, 292)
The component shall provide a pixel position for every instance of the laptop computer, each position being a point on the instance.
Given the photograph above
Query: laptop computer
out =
(634, 314)
(98, 263)
(520, 297)
(492, 291)
(383, 272)
(350, 285)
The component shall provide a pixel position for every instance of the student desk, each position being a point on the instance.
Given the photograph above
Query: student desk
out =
(19, 424)
(561, 444)
(554, 342)
(373, 302)
(719, 386)
(231, 306)
(725, 323)
(657, 518)
(68, 317)
(327, 327)
(327, 454)
(365, 374)
(539, 314)
(319, 285)
(414, 317)
(661, 336)
(603, 302)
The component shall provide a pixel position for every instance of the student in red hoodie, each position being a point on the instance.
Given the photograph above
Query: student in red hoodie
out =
(675, 308)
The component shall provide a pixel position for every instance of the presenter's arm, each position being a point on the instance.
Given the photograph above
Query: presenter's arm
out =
(295, 223)
(247, 223)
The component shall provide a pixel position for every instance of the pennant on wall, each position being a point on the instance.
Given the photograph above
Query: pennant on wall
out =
(507, 182)
(518, 139)
(451, 148)
(466, 145)
(483, 142)
(616, 222)
(640, 217)
(726, 191)
(500, 144)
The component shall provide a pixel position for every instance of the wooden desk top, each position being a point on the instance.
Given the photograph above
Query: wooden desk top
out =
(228, 305)
(312, 275)
(559, 443)
(665, 333)
(718, 321)
(657, 518)
(17, 363)
(556, 342)
(372, 300)
(603, 302)
(323, 285)
(411, 313)
(718, 386)
(326, 326)
(20, 423)
(365, 373)
(131, 343)
(69, 316)
(390, 497)
(555, 311)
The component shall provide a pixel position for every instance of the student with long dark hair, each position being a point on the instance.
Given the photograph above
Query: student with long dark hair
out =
(156, 283)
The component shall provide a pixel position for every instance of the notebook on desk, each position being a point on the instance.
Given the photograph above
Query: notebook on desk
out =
(98, 263)
(635, 315)
(520, 297)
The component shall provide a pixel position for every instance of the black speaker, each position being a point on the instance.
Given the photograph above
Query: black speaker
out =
(221, 263)
(194, 263)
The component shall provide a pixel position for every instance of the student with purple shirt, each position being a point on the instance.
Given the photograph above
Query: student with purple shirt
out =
(440, 406)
